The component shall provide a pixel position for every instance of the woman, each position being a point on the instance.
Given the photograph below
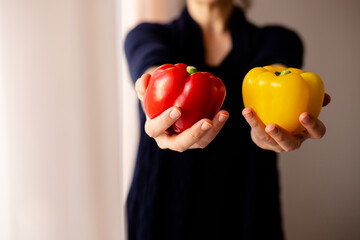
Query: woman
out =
(214, 180)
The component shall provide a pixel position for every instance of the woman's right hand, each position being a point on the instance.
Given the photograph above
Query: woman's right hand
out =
(197, 136)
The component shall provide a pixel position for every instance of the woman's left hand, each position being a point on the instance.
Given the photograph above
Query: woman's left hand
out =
(273, 137)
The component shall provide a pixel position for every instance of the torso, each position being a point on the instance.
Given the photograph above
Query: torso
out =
(178, 195)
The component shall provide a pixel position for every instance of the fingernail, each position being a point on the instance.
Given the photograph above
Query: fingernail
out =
(175, 113)
(306, 119)
(206, 126)
(248, 113)
(273, 130)
(223, 118)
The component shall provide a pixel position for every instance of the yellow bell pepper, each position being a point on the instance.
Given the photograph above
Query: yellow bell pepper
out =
(279, 95)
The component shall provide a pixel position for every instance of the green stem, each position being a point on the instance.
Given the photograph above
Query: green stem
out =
(191, 69)
(284, 72)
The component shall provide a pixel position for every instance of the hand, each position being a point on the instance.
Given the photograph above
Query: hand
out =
(273, 137)
(198, 136)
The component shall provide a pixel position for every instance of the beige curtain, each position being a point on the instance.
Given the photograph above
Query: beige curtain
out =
(59, 137)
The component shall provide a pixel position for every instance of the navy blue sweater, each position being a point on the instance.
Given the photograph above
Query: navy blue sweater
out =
(230, 189)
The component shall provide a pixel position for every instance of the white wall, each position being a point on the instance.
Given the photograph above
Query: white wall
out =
(127, 18)
(59, 120)
(129, 126)
(321, 181)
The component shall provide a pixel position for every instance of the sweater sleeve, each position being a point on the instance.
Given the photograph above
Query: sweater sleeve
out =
(147, 45)
(279, 45)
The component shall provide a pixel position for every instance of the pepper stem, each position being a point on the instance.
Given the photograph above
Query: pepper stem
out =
(191, 69)
(284, 72)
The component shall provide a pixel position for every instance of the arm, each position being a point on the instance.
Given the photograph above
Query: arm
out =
(146, 46)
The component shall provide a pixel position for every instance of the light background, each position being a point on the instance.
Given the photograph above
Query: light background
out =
(59, 176)
(320, 183)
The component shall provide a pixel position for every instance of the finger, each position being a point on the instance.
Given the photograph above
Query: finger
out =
(257, 129)
(218, 122)
(327, 99)
(314, 127)
(141, 85)
(283, 138)
(157, 126)
(252, 119)
(183, 141)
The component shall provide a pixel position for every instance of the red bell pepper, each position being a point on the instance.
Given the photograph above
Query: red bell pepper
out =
(198, 94)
